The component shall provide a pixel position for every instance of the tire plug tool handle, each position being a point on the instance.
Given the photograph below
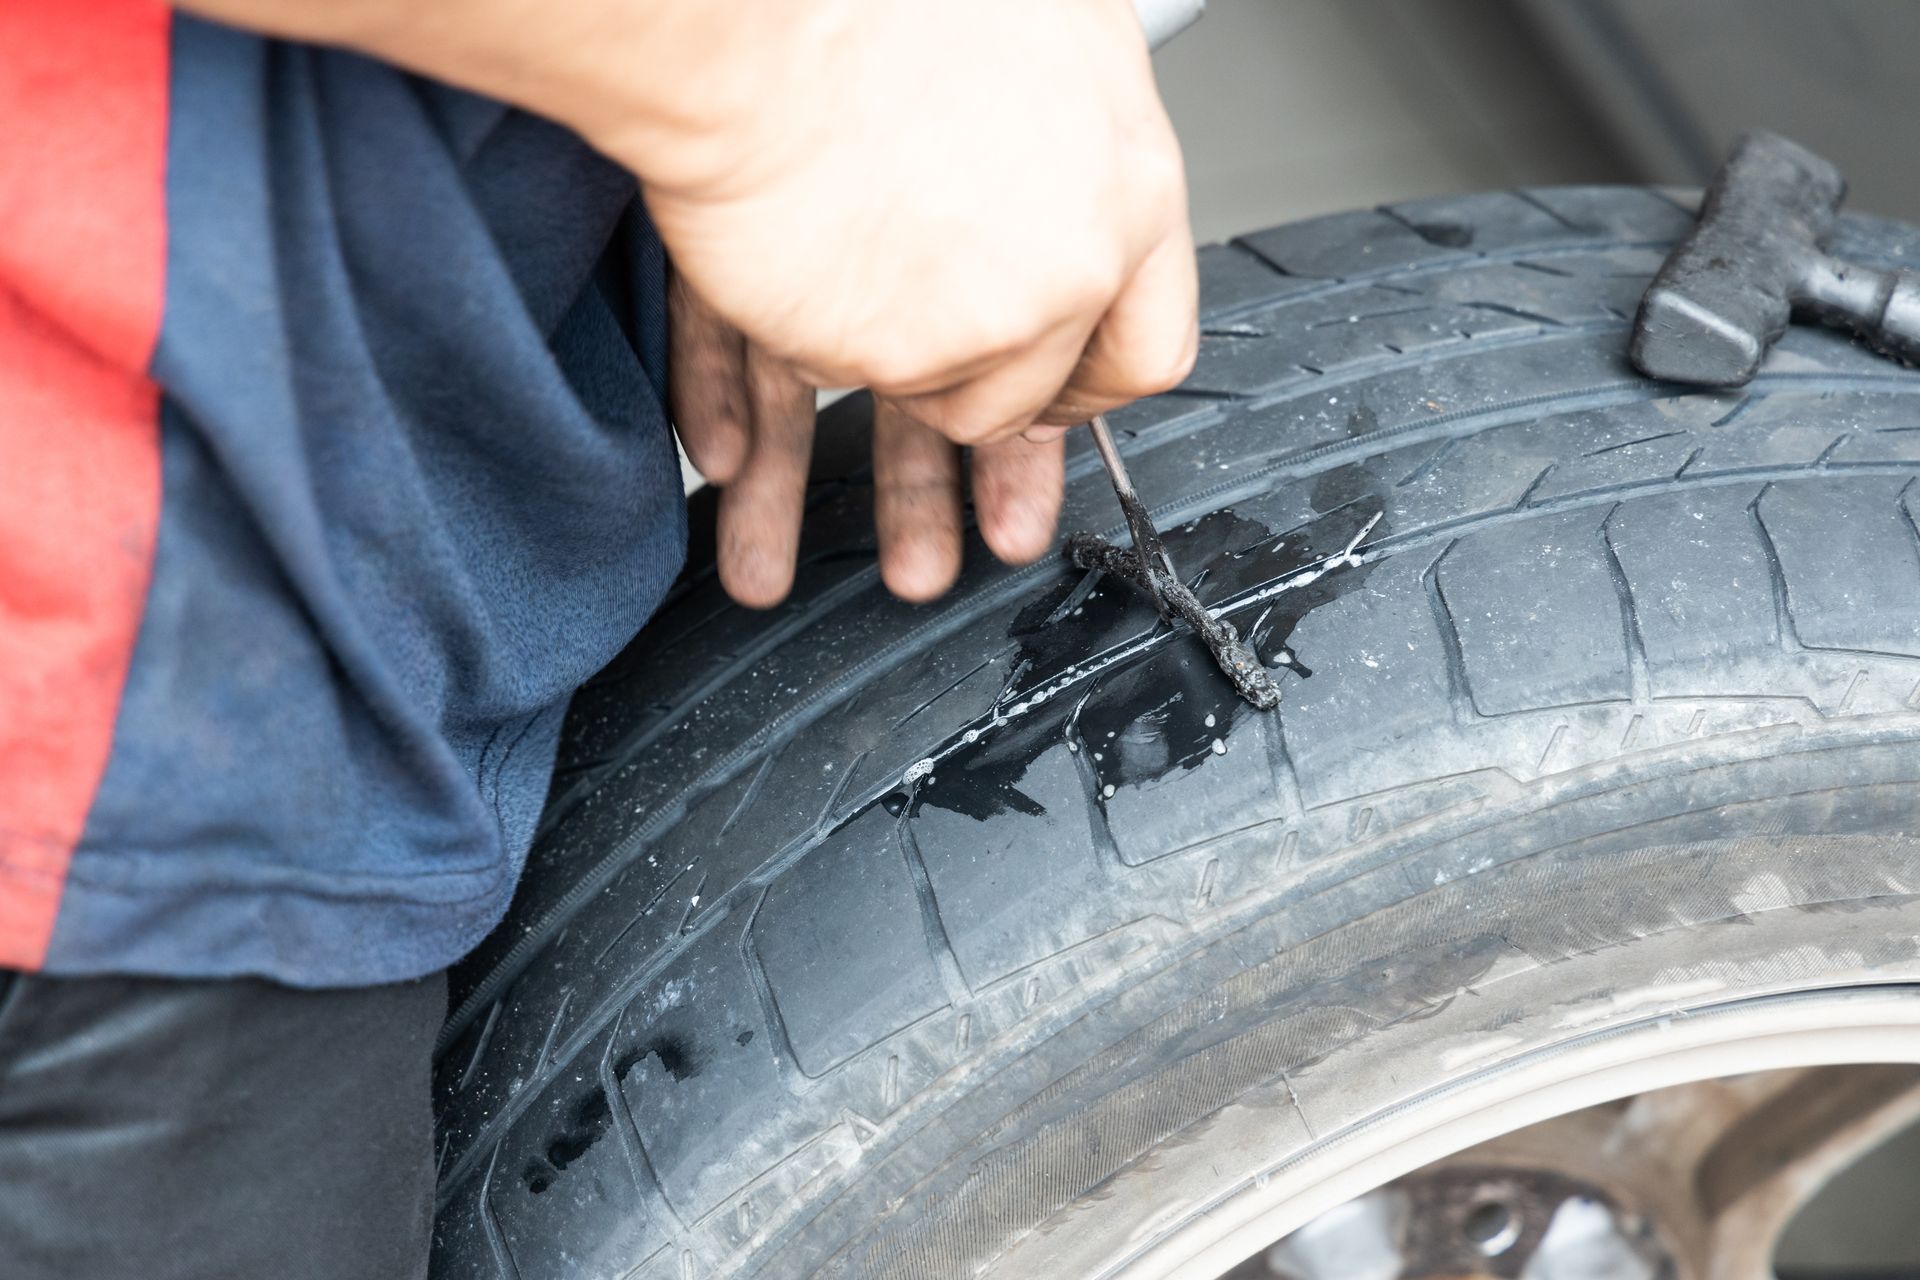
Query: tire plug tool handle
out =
(1757, 257)
(1149, 568)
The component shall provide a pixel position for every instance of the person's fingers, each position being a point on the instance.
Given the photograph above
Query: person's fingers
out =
(1143, 344)
(760, 509)
(917, 511)
(1017, 486)
(1147, 341)
(707, 378)
(1003, 399)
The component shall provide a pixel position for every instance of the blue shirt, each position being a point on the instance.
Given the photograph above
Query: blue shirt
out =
(417, 484)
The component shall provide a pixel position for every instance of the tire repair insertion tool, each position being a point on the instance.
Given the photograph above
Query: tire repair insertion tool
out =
(1149, 568)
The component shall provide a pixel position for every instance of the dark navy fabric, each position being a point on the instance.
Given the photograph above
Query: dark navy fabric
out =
(418, 486)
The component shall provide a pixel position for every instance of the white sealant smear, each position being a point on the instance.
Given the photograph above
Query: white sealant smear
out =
(1074, 674)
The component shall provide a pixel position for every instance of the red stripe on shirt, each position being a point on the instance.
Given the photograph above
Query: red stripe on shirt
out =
(83, 131)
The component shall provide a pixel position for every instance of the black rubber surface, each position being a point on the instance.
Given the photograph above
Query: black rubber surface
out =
(182, 1129)
(867, 939)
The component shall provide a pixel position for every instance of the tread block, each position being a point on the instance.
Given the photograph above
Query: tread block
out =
(564, 1193)
(1346, 244)
(1011, 896)
(1849, 555)
(1622, 446)
(1232, 278)
(1625, 213)
(1541, 290)
(1699, 579)
(909, 713)
(1379, 677)
(1776, 428)
(1187, 761)
(699, 1065)
(1501, 218)
(839, 991)
(1537, 614)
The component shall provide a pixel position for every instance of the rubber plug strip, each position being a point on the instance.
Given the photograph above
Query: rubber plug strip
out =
(1242, 666)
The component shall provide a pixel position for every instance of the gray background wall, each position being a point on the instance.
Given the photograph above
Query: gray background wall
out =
(1294, 107)
(1287, 108)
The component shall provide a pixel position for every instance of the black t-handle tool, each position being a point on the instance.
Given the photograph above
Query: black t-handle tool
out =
(1726, 292)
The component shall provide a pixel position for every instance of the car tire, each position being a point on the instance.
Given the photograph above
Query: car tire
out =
(997, 937)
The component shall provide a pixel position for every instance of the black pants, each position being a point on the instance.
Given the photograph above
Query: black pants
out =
(156, 1129)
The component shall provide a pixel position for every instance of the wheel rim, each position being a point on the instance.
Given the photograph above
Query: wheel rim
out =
(1815, 1029)
(1691, 1182)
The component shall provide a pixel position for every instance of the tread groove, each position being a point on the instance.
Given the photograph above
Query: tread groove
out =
(1739, 410)
(1521, 193)
(693, 905)
(1273, 731)
(1459, 688)
(1105, 843)
(831, 812)
(939, 946)
(1430, 464)
(1638, 680)
(659, 895)
(545, 1056)
(1517, 313)
(646, 1179)
(1525, 500)
(490, 1225)
(1788, 635)
(752, 792)
(786, 1061)
(955, 683)
(1906, 509)
(480, 1044)
(1628, 444)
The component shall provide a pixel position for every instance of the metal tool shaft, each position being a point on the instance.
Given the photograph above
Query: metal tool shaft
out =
(1154, 559)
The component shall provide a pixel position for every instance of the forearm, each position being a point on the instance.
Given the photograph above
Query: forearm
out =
(654, 83)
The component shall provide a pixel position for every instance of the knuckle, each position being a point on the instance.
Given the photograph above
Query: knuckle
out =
(1181, 358)
(975, 432)
(1160, 170)
(1165, 365)
(1021, 543)
(1021, 534)
(962, 424)
(891, 365)
(1093, 286)
(919, 570)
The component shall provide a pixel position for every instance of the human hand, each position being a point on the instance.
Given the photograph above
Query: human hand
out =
(746, 421)
(1017, 262)
(975, 207)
